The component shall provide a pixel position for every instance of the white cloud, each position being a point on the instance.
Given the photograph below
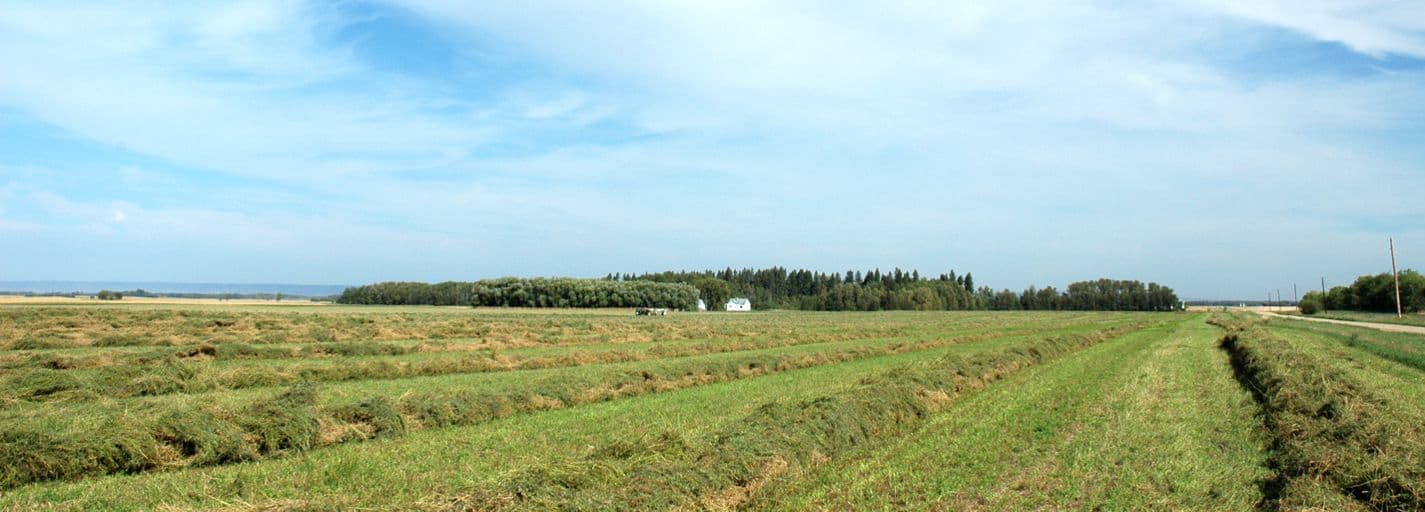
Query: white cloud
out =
(249, 89)
(1375, 27)
(980, 135)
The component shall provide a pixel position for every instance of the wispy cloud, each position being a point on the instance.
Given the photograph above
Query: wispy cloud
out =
(425, 139)
(1375, 27)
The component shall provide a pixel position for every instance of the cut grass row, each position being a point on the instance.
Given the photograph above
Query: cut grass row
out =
(68, 441)
(778, 439)
(1348, 427)
(82, 357)
(103, 357)
(184, 375)
(1148, 421)
(426, 468)
(32, 328)
(211, 368)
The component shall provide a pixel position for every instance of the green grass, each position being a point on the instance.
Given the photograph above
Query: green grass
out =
(93, 435)
(778, 438)
(1152, 420)
(37, 328)
(400, 408)
(225, 366)
(1404, 348)
(1348, 426)
(1416, 319)
(436, 466)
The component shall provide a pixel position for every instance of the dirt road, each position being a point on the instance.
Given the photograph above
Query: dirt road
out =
(1372, 325)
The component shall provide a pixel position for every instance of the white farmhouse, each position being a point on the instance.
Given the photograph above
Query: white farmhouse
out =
(739, 304)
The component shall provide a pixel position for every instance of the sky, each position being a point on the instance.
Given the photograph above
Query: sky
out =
(1224, 148)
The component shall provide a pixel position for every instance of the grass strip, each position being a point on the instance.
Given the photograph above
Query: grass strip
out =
(181, 374)
(38, 328)
(87, 357)
(425, 468)
(1406, 349)
(1147, 421)
(137, 437)
(778, 438)
(1331, 438)
(1415, 319)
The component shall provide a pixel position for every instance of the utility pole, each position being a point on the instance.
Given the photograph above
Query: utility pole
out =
(1323, 294)
(1294, 297)
(1279, 299)
(1398, 312)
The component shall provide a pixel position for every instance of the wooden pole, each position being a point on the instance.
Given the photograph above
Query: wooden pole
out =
(1399, 313)
(1323, 294)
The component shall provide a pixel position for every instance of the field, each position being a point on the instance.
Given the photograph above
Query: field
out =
(270, 407)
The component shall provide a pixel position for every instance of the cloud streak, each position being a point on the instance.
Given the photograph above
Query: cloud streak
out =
(1029, 143)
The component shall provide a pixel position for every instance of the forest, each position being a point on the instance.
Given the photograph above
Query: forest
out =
(527, 292)
(773, 288)
(1370, 293)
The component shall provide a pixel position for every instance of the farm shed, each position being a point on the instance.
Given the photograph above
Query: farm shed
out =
(739, 304)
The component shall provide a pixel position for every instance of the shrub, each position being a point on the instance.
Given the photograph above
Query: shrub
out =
(1311, 303)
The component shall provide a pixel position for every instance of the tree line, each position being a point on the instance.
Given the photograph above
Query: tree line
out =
(1370, 293)
(779, 288)
(582, 293)
(874, 290)
(526, 292)
(410, 293)
(773, 288)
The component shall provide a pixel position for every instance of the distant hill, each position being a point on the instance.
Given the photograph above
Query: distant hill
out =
(91, 287)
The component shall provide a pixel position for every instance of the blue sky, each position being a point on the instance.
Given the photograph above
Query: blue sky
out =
(1223, 148)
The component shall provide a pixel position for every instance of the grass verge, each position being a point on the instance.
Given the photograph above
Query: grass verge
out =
(1406, 349)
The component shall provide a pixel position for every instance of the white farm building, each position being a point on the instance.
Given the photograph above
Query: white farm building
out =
(739, 304)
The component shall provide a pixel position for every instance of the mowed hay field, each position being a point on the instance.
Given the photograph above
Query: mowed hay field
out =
(185, 407)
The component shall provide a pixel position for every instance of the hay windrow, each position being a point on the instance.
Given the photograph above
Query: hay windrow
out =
(1328, 432)
(189, 369)
(292, 421)
(776, 439)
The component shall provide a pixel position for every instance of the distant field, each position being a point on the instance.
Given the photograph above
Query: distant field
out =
(46, 300)
(199, 406)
